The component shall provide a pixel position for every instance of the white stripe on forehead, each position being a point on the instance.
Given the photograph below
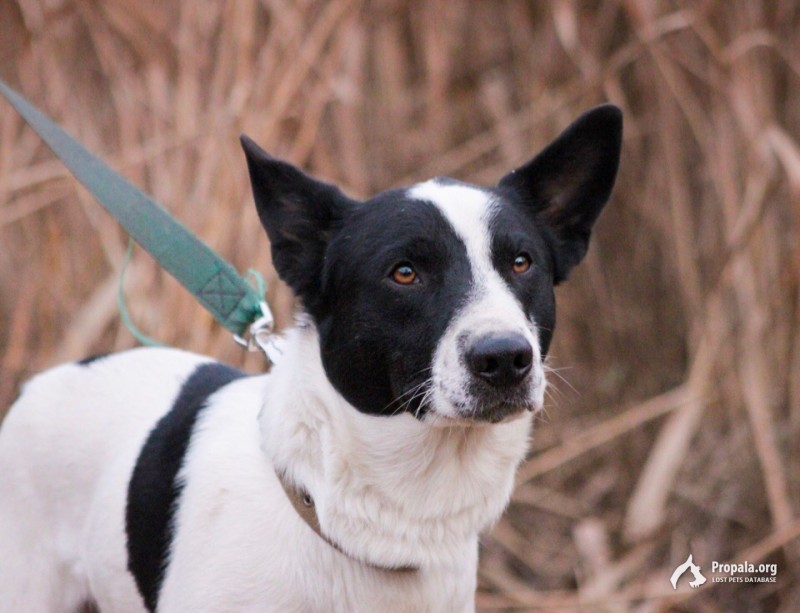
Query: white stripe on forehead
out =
(468, 210)
(489, 308)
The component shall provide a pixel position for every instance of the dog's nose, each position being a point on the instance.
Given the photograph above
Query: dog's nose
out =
(502, 360)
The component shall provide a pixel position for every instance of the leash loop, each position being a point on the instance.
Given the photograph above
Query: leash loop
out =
(123, 308)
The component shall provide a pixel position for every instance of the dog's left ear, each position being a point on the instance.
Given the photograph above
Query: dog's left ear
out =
(299, 214)
(568, 183)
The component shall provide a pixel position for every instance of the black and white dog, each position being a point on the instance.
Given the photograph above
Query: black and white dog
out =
(159, 480)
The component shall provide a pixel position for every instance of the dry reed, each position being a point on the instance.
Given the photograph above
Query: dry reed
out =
(674, 422)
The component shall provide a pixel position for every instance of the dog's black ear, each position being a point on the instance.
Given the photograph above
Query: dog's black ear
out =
(568, 183)
(299, 214)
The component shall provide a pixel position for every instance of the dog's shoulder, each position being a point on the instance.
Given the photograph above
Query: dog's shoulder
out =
(88, 410)
(151, 362)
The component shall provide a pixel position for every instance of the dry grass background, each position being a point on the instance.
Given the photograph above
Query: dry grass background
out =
(674, 422)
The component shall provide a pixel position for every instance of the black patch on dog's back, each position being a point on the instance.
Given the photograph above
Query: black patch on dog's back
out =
(91, 359)
(153, 490)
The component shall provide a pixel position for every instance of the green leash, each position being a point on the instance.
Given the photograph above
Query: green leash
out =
(214, 282)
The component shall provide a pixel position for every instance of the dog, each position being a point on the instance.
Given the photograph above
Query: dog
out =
(358, 474)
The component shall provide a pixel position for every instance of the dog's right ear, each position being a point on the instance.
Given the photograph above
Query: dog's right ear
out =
(299, 214)
(569, 182)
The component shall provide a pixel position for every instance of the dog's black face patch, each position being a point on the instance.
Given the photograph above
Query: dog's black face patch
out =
(377, 335)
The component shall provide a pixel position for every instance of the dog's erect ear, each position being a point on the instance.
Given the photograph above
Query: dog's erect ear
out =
(299, 214)
(568, 183)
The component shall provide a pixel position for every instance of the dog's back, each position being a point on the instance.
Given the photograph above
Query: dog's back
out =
(72, 427)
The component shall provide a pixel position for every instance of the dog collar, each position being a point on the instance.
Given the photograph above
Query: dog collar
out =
(304, 505)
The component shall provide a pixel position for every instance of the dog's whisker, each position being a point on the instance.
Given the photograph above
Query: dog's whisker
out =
(552, 392)
(413, 390)
(425, 398)
(426, 394)
(559, 376)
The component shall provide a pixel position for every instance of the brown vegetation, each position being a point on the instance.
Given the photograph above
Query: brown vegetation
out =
(674, 423)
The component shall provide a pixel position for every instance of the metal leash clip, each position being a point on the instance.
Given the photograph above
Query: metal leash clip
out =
(262, 337)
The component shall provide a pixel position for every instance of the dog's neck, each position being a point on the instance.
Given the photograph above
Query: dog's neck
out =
(392, 491)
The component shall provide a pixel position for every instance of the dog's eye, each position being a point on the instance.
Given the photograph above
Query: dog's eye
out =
(521, 263)
(404, 274)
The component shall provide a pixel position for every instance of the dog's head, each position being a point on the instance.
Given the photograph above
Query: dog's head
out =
(437, 299)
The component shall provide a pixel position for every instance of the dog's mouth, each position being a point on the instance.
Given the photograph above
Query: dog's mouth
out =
(447, 401)
(477, 403)
(472, 410)
(501, 413)
(504, 411)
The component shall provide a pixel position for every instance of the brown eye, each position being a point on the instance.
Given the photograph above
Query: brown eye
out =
(404, 274)
(521, 263)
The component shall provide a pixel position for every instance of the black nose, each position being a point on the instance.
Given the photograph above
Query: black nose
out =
(501, 360)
